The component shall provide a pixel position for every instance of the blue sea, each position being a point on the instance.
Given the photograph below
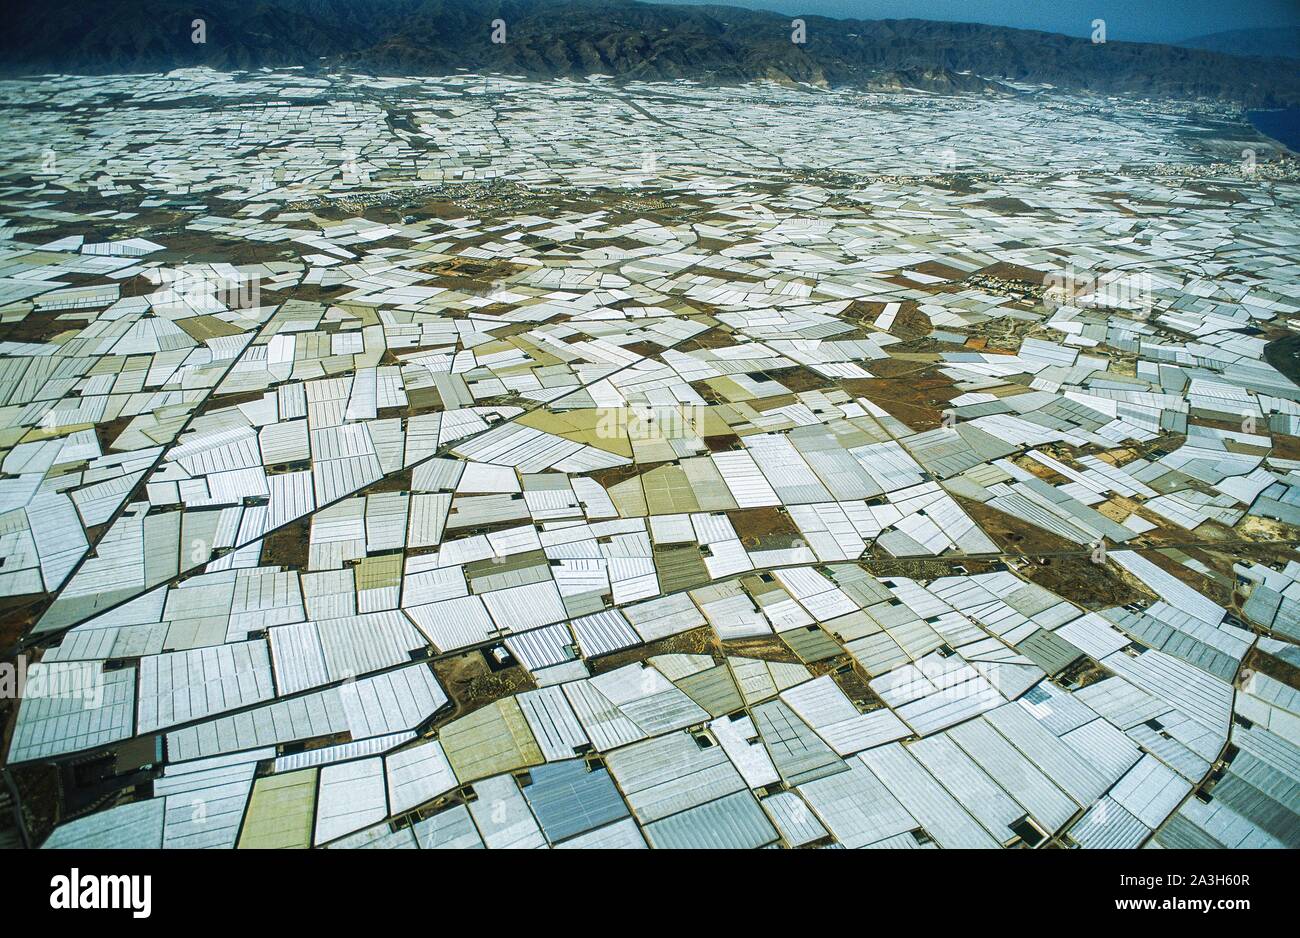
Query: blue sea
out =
(1283, 126)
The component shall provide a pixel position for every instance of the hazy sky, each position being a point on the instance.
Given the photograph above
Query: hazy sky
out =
(1132, 20)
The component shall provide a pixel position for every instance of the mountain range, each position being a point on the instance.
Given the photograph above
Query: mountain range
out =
(622, 38)
(1283, 43)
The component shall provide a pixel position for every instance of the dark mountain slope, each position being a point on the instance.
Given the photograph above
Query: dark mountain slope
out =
(618, 37)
